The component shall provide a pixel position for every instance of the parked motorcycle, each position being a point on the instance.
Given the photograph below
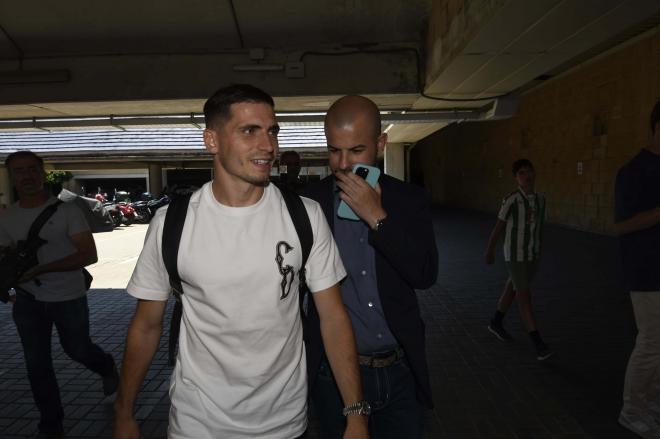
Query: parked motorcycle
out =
(128, 213)
(142, 213)
(154, 205)
(115, 214)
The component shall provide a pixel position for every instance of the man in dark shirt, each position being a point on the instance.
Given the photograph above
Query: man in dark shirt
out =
(388, 253)
(290, 171)
(637, 222)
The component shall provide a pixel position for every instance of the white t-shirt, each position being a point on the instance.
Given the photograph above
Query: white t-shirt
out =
(68, 220)
(241, 370)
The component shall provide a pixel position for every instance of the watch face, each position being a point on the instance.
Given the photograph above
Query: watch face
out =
(361, 408)
(365, 408)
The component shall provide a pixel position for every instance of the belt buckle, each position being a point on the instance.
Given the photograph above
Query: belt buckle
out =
(383, 359)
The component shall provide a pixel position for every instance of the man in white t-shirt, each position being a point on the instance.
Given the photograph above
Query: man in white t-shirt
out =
(240, 371)
(53, 292)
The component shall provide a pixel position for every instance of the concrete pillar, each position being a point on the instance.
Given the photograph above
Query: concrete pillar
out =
(155, 184)
(395, 160)
(5, 189)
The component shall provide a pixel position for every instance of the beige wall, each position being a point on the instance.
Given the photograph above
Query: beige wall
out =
(596, 114)
(395, 161)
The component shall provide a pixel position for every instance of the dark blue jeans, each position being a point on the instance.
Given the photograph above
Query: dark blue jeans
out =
(34, 320)
(396, 413)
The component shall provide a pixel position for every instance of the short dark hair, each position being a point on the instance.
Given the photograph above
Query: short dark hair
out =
(23, 154)
(217, 108)
(290, 153)
(655, 116)
(521, 163)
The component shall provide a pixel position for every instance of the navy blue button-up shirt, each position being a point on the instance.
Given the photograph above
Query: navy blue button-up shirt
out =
(360, 288)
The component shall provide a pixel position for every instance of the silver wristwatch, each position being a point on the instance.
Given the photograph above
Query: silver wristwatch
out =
(361, 408)
(378, 224)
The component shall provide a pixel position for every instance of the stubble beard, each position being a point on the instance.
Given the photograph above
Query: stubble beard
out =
(254, 180)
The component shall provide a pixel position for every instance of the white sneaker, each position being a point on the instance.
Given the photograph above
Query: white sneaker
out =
(643, 426)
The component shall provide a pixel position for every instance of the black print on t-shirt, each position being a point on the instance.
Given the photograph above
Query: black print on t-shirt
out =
(286, 271)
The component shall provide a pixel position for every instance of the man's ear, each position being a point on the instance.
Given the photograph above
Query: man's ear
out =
(211, 141)
(382, 141)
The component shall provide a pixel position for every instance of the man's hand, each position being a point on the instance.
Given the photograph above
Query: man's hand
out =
(356, 427)
(126, 428)
(29, 275)
(362, 198)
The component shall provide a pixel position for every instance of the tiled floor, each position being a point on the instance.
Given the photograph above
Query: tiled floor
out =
(483, 388)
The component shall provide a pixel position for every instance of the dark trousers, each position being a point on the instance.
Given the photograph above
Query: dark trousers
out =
(396, 413)
(34, 320)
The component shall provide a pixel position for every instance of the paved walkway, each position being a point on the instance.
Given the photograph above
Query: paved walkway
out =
(483, 388)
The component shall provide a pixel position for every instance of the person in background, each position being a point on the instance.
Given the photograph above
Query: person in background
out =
(388, 253)
(521, 219)
(53, 293)
(637, 222)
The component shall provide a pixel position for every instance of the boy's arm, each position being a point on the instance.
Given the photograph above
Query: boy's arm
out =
(141, 345)
(494, 237)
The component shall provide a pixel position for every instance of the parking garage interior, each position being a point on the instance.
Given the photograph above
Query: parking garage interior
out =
(113, 93)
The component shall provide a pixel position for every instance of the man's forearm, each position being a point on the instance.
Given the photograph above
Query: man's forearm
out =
(72, 262)
(339, 341)
(340, 349)
(641, 221)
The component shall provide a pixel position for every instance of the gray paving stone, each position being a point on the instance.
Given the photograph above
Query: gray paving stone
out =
(483, 389)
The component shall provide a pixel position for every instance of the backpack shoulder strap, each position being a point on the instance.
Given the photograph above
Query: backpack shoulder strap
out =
(303, 226)
(175, 218)
(40, 220)
(301, 222)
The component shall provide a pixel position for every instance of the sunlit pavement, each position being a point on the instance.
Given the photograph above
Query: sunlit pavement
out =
(483, 388)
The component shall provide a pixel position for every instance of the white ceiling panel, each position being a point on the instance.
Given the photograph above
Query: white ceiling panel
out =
(513, 20)
(497, 67)
(457, 72)
(410, 133)
(611, 23)
(520, 41)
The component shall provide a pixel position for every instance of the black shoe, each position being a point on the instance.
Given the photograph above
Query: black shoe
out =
(111, 382)
(543, 352)
(499, 332)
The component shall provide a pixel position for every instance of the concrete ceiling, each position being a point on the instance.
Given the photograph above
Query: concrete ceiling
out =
(164, 57)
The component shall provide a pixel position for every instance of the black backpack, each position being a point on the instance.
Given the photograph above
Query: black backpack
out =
(175, 218)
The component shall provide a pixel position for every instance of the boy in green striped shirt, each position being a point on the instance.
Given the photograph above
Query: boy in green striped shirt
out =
(521, 217)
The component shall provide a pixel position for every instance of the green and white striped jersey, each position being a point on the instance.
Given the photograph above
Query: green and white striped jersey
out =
(524, 216)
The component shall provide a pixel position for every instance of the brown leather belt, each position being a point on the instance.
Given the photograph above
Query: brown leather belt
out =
(381, 359)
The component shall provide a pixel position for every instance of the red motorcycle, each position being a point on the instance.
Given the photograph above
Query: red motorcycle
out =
(128, 213)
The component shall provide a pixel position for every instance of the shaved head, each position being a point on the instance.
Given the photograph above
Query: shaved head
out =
(349, 110)
(352, 131)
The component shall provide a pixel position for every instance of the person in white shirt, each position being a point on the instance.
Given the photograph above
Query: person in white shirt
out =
(53, 292)
(240, 371)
